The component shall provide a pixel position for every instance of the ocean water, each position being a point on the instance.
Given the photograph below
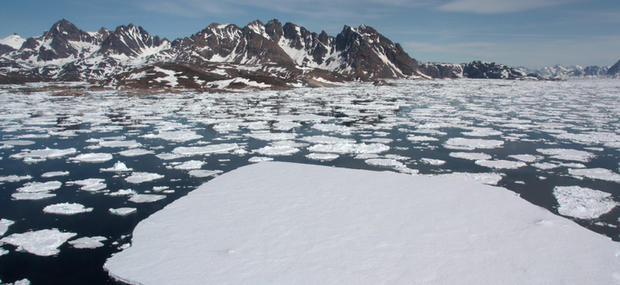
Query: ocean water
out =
(528, 137)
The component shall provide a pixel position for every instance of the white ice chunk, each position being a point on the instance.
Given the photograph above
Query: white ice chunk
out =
(92, 157)
(501, 164)
(34, 187)
(283, 223)
(545, 165)
(38, 155)
(322, 156)
(432, 161)
(384, 162)
(41, 242)
(90, 184)
(421, 138)
(524, 157)
(88, 242)
(583, 203)
(567, 154)
(32, 196)
(14, 178)
(118, 167)
(189, 165)
(272, 136)
(596, 173)
(146, 198)
(123, 211)
(255, 159)
(141, 177)
(471, 144)
(120, 143)
(471, 155)
(203, 150)
(54, 174)
(201, 173)
(4, 225)
(175, 136)
(327, 140)
(280, 150)
(348, 148)
(66, 209)
(135, 152)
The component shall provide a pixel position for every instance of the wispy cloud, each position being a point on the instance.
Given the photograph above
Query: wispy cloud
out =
(498, 6)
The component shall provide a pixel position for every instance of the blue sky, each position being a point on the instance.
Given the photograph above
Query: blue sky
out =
(530, 33)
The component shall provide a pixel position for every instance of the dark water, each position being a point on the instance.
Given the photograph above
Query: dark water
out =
(526, 123)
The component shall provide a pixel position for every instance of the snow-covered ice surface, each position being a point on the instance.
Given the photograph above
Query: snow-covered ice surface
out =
(88, 242)
(41, 242)
(124, 211)
(583, 203)
(557, 133)
(66, 209)
(282, 223)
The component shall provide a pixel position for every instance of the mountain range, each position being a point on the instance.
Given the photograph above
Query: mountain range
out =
(270, 55)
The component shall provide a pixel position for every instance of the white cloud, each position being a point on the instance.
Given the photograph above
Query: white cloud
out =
(498, 6)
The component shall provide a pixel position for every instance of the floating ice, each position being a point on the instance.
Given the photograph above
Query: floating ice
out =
(122, 192)
(135, 152)
(54, 174)
(277, 150)
(88, 242)
(120, 143)
(328, 128)
(501, 164)
(168, 156)
(32, 196)
(118, 167)
(203, 150)
(567, 154)
(432, 161)
(34, 187)
(471, 155)
(583, 203)
(322, 156)
(282, 223)
(255, 159)
(384, 162)
(346, 148)
(471, 144)
(4, 225)
(421, 138)
(201, 173)
(90, 184)
(545, 165)
(92, 157)
(41, 242)
(524, 157)
(124, 211)
(38, 155)
(141, 177)
(596, 173)
(66, 209)
(146, 198)
(189, 165)
(175, 136)
(327, 140)
(482, 132)
(485, 178)
(14, 178)
(272, 136)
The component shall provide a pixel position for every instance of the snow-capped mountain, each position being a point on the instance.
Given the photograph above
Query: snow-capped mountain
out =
(11, 43)
(614, 70)
(269, 51)
(565, 72)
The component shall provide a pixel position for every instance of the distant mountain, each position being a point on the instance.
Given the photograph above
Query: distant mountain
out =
(614, 70)
(476, 69)
(565, 72)
(253, 56)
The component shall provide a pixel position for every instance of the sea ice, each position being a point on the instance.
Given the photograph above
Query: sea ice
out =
(41, 242)
(347, 148)
(385, 162)
(37, 155)
(272, 136)
(118, 167)
(413, 138)
(524, 157)
(36, 187)
(322, 156)
(54, 174)
(14, 178)
(471, 144)
(135, 152)
(201, 173)
(545, 165)
(432, 161)
(119, 144)
(189, 165)
(88, 242)
(282, 223)
(583, 203)
(256, 159)
(501, 164)
(277, 150)
(471, 155)
(92, 157)
(567, 154)
(175, 136)
(4, 225)
(204, 150)
(32, 196)
(90, 184)
(124, 211)
(66, 209)
(596, 173)
(146, 198)
(322, 139)
(141, 177)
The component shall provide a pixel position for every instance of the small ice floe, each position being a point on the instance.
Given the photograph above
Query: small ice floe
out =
(90, 184)
(24, 281)
(119, 144)
(595, 173)
(281, 150)
(92, 157)
(201, 173)
(39, 187)
(38, 155)
(485, 178)
(135, 152)
(4, 225)
(272, 136)
(66, 209)
(122, 192)
(567, 154)
(501, 164)
(431, 161)
(348, 148)
(175, 136)
(54, 174)
(146, 198)
(545, 165)
(481, 132)
(3, 252)
(333, 128)
(41, 242)
(187, 165)
(285, 125)
(32, 196)
(385, 162)
(378, 140)
(572, 165)
(14, 178)
(413, 138)
(322, 139)
(471, 155)
(118, 167)
(17, 142)
(168, 156)
(524, 157)
(255, 159)
(322, 156)
(205, 150)
(583, 203)
(88, 242)
(141, 177)
(471, 144)
(123, 211)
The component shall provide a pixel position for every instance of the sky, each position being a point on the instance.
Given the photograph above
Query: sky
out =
(529, 33)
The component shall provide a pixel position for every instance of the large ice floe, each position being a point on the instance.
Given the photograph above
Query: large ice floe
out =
(583, 203)
(41, 242)
(66, 209)
(288, 223)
